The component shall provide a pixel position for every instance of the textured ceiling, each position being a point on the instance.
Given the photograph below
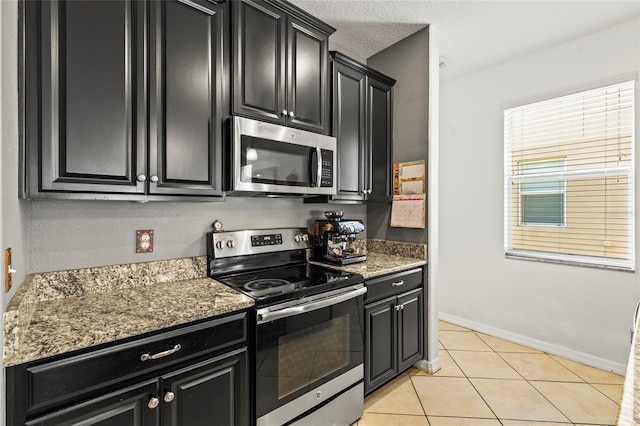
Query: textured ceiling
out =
(472, 35)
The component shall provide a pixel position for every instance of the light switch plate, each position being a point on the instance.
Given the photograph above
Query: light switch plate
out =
(144, 241)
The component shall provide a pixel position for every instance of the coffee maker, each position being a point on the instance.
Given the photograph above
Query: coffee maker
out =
(333, 239)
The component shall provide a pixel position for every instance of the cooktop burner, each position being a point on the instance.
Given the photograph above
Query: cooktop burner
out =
(276, 284)
(263, 287)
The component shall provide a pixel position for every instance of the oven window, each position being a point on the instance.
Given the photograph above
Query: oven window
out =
(275, 163)
(297, 354)
(312, 354)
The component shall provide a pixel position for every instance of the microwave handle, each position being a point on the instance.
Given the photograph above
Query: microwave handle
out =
(319, 176)
(317, 153)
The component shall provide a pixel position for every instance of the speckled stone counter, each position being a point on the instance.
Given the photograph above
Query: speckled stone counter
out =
(385, 257)
(58, 312)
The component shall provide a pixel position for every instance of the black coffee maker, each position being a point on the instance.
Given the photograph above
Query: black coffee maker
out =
(333, 239)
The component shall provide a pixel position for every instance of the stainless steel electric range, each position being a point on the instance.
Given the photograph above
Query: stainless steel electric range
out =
(309, 326)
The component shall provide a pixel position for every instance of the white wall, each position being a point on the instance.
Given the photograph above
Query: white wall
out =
(581, 313)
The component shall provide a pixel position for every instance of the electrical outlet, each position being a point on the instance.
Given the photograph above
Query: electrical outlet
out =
(144, 241)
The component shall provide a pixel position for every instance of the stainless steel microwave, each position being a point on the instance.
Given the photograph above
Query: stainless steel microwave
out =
(272, 159)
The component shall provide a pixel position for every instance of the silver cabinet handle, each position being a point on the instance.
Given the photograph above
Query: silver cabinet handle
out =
(162, 354)
(169, 396)
(291, 114)
(397, 307)
(153, 178)
(285, 112)
(397, 283)
(141, 178)
(153, 403)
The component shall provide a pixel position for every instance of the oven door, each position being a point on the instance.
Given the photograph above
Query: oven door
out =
(308, 351)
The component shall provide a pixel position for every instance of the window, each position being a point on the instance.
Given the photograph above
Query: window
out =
(569, 179)
(542, 203)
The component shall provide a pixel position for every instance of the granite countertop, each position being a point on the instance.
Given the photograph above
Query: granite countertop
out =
(385, 257)
(59, 312)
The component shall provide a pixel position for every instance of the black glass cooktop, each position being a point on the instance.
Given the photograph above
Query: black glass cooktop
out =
(273, 285)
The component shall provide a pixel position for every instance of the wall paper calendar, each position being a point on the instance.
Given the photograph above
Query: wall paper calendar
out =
(409, 199)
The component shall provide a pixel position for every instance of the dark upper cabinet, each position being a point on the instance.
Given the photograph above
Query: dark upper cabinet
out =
(187, 97)
(349, 125)
(84, 96)
(124, 98)
(379, 139)
(280, 65)
(362, 124)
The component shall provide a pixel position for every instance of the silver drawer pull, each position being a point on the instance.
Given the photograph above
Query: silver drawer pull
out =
(397, 283)
(173, 350)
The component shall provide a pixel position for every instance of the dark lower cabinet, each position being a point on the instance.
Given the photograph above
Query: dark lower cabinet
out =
(197, 375)
(126, 407)
(210, 390)
(410, 328)
(380, 343)
(393, 327)
(124, 99)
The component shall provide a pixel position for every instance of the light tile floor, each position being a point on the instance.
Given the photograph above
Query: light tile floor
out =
(486, 381)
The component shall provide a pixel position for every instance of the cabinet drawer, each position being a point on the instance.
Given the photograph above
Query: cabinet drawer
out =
(393, 284)
(58, 381)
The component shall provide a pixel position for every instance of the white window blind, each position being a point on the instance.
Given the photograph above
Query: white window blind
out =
(569, 178)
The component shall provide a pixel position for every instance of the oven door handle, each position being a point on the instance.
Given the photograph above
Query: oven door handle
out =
(267, 316)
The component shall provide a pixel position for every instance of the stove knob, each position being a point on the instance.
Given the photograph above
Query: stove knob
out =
(298, 237)
(231, 243)
(219, 245)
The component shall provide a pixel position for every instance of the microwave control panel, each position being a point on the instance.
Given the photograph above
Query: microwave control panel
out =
(327, 168)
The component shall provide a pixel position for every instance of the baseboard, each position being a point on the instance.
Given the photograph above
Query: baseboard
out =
(428, 366)
(581, 357)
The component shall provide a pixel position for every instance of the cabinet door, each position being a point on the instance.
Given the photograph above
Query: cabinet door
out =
(126, 407)
(410, 329)
(259, 61)
(307, 79)
(379, 135)
(85, 95)
(349, 93)
(187, 97)
(215, 391)
(380, 343)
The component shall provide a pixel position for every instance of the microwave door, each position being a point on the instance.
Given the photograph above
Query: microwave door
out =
(274, 165)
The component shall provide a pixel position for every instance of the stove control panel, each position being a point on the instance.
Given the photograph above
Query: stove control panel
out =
(266, 240)
(240, 243)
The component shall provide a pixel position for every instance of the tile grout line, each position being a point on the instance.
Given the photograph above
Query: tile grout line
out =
(529, 382)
